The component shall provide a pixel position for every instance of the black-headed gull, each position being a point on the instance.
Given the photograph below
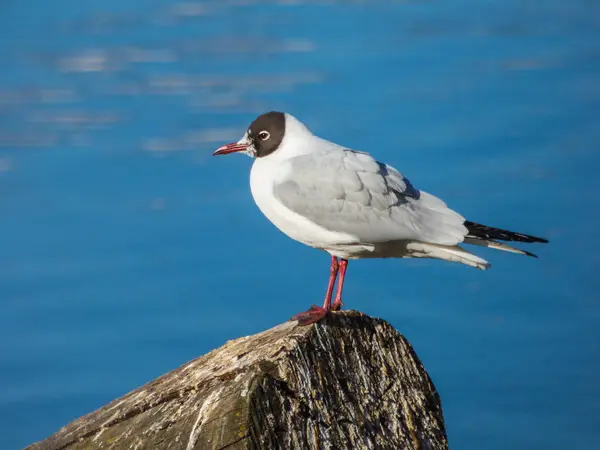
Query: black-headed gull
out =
(350, 205)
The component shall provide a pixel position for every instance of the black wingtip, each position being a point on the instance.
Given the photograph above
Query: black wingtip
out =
(533, 255)
(484, 232)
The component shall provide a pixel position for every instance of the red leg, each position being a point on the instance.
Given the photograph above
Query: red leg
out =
(333, 272)
(314, 314)
(337, 303)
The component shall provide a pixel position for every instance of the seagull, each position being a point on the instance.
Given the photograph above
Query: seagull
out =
(352, 206)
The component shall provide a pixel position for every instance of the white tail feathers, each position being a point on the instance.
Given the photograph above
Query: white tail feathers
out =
(458, 254)
(496, 245)
(447, 253)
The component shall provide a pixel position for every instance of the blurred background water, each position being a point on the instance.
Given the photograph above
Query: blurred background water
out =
(126, 250)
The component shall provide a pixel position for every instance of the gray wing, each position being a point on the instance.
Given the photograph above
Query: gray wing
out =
(350, 192)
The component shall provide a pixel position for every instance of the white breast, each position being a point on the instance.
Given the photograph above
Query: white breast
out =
(263, 174)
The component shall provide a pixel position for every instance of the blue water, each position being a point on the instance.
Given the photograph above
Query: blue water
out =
(126, 250)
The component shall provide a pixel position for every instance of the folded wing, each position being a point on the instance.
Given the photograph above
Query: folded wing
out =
(350, 192)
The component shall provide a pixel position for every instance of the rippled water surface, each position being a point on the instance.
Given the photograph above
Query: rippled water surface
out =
(126, 250)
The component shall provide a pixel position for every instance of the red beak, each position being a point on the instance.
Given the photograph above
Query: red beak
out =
(230, 148)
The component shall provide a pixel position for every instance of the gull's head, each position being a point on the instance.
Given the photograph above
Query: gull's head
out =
(263, 137)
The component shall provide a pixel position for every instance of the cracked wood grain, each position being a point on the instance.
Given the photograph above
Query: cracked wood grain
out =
(349, 382)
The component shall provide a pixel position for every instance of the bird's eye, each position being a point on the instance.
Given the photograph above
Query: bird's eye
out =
(264, 135)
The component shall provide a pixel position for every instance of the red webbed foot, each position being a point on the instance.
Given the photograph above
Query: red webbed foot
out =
(313, 315)
(337, 304)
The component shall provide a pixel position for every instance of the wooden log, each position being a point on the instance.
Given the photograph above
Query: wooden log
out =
(348, 382)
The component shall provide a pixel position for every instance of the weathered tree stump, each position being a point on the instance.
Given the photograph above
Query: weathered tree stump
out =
(349, 382)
